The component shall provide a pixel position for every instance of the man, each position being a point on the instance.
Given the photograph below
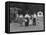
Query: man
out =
(34, 19)
(27, 20)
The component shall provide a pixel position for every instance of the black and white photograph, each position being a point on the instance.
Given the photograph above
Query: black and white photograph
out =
(24, 16)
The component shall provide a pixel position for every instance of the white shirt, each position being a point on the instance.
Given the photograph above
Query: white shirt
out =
(35, 16)
(21, 16)
(27, 16)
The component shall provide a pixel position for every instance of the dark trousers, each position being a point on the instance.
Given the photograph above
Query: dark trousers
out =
(27, 23)
(34, 21)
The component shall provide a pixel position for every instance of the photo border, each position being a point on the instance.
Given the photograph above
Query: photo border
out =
(7, 17)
